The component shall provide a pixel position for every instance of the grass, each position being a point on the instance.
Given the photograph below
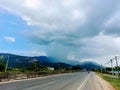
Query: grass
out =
(115, 82)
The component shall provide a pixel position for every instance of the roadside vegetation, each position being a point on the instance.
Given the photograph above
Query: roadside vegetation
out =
(113, 80)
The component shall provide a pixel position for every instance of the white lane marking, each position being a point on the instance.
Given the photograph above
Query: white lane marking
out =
(84, 82)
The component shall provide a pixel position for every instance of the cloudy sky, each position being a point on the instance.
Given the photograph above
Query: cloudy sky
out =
(78, 30)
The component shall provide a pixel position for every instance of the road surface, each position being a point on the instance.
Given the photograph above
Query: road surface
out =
(72, 81)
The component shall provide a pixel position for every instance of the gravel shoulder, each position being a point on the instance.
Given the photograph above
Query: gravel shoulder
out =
(97, 83)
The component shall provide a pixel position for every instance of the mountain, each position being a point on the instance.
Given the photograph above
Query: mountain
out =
(15, 60)
(24, 61)
(90, 65)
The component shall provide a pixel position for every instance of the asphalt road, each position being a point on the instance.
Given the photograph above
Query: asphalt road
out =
(72, 81)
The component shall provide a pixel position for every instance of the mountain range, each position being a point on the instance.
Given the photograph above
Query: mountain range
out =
(24, 61)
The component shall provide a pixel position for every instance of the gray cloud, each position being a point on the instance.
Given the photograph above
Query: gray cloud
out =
(112, 26)
(74, 26)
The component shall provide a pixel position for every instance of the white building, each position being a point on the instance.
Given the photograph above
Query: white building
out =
(51, 68)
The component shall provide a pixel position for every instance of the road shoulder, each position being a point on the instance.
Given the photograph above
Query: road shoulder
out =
(97, 83)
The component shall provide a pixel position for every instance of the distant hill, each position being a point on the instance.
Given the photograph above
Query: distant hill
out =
(90, 65)
(24, 61)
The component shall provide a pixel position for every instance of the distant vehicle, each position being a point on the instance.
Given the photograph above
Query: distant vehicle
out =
(88, 71)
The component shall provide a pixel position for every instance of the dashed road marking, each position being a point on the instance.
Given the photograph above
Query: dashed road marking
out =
(79, 88)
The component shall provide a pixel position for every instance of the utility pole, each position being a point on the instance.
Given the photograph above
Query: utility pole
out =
(7, 63)
(116, 63)
(111, 65)
(117, 67)
(101, 68)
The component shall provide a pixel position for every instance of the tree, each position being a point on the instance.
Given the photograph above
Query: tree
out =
(36, 67)
(33, 67)
(108, 68)
(76, 67)
(2, 64)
